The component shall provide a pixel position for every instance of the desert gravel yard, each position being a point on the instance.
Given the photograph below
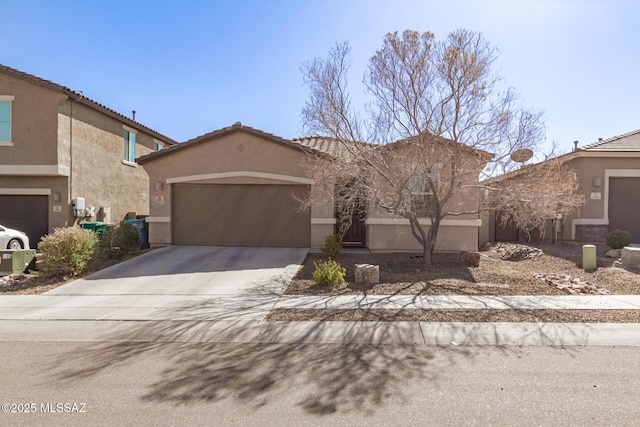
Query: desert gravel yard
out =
(400, 274)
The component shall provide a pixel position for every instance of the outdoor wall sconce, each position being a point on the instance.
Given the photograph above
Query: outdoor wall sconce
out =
(56, 197)
(597, 181)
(159, 186)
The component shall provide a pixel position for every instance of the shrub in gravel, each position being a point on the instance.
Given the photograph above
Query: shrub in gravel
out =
(618, 239)
(329, 273)
(332, 247)
(66, 252)
(120, 240)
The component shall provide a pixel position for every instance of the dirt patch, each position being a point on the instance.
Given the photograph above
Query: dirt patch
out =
(400, 274)
(457, 315)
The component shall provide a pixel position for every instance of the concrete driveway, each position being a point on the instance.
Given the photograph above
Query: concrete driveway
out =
(173, 283)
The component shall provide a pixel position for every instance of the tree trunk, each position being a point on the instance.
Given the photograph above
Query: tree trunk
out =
(430, 244)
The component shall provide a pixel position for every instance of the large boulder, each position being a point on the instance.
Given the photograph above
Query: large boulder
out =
(367, 274)
(630, 256)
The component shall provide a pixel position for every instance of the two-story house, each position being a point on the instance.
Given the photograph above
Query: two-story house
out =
(58, 147)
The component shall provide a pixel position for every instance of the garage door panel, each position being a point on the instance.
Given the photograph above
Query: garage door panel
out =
(624, 205)
(239, 215)
(29, 214)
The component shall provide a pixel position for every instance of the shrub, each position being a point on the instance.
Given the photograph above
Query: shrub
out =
(119, 240)
(618, 239)
(332, 247)
(66, 252)
(329, 273)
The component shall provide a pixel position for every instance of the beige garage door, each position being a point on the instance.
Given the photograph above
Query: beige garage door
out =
(239, 215)
(624, 205)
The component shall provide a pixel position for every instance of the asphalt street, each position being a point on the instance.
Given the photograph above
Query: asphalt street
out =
(219, 384)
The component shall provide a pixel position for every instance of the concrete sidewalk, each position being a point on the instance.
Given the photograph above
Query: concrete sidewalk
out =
(211, 318)
(205, 307)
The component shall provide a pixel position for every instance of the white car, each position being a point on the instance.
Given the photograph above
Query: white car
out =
(13, 239)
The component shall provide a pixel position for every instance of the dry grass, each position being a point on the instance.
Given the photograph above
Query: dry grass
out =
(400, 274)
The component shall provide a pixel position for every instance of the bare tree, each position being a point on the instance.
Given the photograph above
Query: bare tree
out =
(437, 115)
(535, 194)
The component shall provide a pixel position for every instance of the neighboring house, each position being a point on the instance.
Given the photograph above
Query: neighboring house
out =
(235, 187)
(56, 145)
(609, 177)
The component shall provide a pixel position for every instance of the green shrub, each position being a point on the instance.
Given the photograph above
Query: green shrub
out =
(66, 252)
(332, 247)
(329, 273)
(120, 240)
(618, 239)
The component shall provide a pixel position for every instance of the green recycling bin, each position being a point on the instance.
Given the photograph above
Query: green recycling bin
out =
(97, 227)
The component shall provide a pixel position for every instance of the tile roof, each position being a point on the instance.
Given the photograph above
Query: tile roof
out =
(629, 141)
(78, 96)
(326, 145)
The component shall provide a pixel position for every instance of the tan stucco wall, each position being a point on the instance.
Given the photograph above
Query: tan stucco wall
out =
(389, 238)
(98, 172)
(34, 123)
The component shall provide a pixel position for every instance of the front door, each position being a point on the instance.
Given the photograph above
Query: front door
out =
(356, 233)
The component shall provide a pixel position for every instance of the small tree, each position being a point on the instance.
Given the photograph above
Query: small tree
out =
(437, 115)
(535, 194)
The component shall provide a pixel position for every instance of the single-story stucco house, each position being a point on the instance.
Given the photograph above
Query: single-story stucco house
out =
(235, 187)
(608, 173)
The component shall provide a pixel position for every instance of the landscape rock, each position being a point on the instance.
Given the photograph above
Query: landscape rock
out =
(614, 253)
(367, 274)
(469, 258)
(572, 285)
(516, 252)
(630, 256)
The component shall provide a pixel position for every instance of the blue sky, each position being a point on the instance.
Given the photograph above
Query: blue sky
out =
(191, 67)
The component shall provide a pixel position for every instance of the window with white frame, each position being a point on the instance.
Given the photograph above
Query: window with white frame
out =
(157, 146)
(129, 147)
(5, 118)
(422, 198)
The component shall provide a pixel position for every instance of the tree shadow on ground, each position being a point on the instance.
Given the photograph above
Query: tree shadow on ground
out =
(327, 369)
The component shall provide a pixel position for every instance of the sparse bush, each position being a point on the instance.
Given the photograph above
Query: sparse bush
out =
(120, 240)
(618, 239)
(329, 273)
(332, 247)
(66, 252)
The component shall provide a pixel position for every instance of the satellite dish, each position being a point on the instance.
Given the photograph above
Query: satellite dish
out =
(521, 155)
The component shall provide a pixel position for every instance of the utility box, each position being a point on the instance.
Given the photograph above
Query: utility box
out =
(17, 262)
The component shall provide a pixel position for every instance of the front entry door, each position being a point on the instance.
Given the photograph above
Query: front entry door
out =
(356, 233)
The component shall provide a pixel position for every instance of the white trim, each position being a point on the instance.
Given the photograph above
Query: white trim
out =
(6, 144)
(158, 219)
(586, 221)
(128, 163)
(25, 191)
(240, 174)
(323, 221)
(425, 221)
(7, 98)
(616, 173)
(129, 129)
(43, 170)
